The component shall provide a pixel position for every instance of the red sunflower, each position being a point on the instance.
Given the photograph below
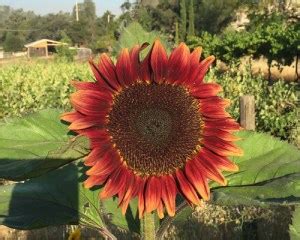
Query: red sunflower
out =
(156, 130)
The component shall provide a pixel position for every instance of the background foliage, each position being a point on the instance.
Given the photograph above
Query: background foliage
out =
(273, 32)
(38, 85)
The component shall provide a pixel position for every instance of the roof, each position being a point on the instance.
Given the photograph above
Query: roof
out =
(44, 43)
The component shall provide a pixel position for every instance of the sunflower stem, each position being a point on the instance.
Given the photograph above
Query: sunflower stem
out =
(148, 227)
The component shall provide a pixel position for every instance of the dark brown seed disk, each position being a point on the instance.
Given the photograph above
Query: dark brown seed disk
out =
(155, 127)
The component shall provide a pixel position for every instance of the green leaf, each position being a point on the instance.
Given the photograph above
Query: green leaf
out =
(35, 144)
(55, 198)
(280, 190)
(135, 34)
(51, 199)
(295, 226)
(131, 219)
(269, 173)
(59, 197)
(265, 158)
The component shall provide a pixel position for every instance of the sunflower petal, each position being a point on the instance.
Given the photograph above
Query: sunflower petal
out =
(86, 122)
(141, 197)
(197, 179)
(203, 67)
(91, 102)
(96, 154)
(71, 116)
(159, 62)
(210, 110)
(114, 184)
(108, 71)
(179, 64)
(124, 201)
(194, 64)
(223, 134)
(227, 124)
(220, 161)
(206, 90)
(152, 194)
(160, 210)
(186, 188)
(99, 78)
(94, 181)
(168, 194)
(88, 86)
(203, 164)
(136, 63)
(125, 71)
(107, 164)
(195, 57)
(221, 147)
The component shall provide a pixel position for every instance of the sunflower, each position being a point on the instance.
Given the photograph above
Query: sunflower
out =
(155, 128)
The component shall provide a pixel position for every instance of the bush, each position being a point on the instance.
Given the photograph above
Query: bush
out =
(38, 85)
(276, 110)
(63, 52)
(35, 86)
(273, 40)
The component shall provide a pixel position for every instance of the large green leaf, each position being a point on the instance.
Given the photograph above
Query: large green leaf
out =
(47, 200)
(35, 144)
(135, 34)
(58, 197)
(55, 198)
(280, 190)
(269, 174)
(265, 158)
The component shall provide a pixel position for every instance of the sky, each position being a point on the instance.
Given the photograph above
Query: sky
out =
(53, 6)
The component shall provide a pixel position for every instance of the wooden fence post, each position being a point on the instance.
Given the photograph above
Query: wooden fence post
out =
(247, 112)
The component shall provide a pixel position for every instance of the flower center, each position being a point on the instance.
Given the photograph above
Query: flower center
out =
(156, 128)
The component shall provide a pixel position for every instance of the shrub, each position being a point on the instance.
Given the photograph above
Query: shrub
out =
(276, 110)
(273, 40)
(35, 86)
(63, 52)
(38, 85)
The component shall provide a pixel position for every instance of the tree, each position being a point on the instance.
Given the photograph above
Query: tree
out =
(126, 6)
(176, 33)
(213, 15)
(191, 31)
(49, 26)
(182, 19)
(13, 42)
(84, 31)
(64, 53)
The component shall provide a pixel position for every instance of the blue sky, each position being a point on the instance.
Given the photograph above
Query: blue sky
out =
(54, 6)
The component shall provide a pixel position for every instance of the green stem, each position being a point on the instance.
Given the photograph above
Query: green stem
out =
(148, 227)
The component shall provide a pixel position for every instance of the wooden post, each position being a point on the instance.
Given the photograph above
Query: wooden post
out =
(247, 112)
(46, 48)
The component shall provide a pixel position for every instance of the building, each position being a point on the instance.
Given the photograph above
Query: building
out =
(42, 48)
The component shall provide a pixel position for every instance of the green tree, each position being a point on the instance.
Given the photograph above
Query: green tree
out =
(84, 30)
(105, 29)
(15, 21)
(13, 42)
(182, 19)
(49, 26)
(176, 33)
(213, 15)
(126, 6)
(64, 53)
(191, 30)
